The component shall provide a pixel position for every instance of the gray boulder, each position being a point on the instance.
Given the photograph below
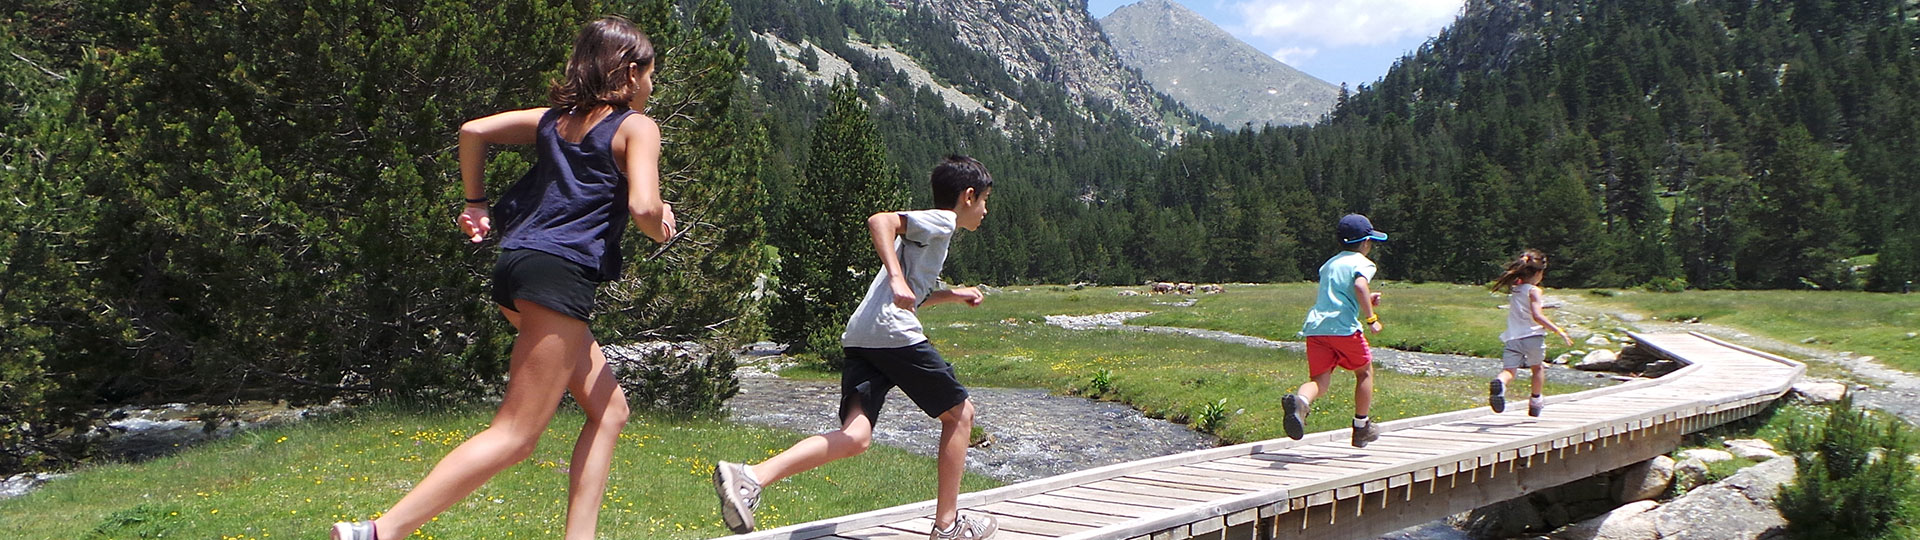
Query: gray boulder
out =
(1599, 360)
(1819, 392)
(1737, 508)
(1644, 480)
(1751, 449)
(1623, 523)
(1707, 455)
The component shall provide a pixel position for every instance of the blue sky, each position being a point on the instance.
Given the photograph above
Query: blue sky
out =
(1350, 41)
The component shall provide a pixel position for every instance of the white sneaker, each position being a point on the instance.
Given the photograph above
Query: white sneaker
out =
(739, 495)
(967, 527)
(356, 530)
(1536, 405)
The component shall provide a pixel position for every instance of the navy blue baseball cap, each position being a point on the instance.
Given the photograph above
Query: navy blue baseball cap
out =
(1354, 228)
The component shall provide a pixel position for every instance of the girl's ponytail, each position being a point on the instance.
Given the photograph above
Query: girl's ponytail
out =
(1524, 267)
(598, 72)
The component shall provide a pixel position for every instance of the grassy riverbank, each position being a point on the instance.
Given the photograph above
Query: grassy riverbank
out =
(293, 481)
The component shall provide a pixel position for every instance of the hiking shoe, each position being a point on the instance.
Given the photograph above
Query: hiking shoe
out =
(1295, 419)
(357, 530)
(739, 495)
(1366, 434)
(1497, 395)
(967, 526)
(1536, 405)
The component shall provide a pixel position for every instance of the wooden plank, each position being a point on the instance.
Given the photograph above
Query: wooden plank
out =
(1177, 489)
(1110, 508)
(1093, 492)
(1200, 481)
(1277, 474)
(1048, 513)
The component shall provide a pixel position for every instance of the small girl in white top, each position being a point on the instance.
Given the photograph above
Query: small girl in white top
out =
(1526, 330)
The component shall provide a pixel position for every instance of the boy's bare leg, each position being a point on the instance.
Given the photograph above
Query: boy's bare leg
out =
(605, 406)
(1539, 378)
(1505, 376)
(852, 439)
(543, 360)
(1363, 390)
(956, 433)
(1315, 386)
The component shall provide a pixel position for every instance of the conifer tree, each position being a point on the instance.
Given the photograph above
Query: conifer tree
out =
(826, 254)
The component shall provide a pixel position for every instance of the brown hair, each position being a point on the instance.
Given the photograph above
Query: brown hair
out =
(1530, 263)
(597, 73)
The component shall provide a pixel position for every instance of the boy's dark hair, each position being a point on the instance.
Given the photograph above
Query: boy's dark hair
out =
(597, 74)
(953, 176)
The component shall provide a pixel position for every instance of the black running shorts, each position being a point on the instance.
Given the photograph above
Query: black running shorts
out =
(917, 369)
(543, 278)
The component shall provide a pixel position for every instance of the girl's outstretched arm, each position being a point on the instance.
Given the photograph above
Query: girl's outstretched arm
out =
(1537, 300)
(511, 127)
(642, 163)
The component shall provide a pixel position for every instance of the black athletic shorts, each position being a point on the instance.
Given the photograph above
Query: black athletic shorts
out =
(917, 369)
(543, 278)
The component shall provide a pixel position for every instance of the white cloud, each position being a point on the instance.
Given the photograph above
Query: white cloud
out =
(1294, 55)
(1346, 22)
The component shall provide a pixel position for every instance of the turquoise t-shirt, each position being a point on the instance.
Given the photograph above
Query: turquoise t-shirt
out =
(1335, 311)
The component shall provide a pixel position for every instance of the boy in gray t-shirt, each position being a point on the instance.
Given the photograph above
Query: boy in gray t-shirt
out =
(886, 347)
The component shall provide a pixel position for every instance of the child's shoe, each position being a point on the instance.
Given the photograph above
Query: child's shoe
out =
(1536, 405)
(355, 530)
(1295, 419)
(739, 495)
(967, 526)
(1365, 434)
(1497, 395)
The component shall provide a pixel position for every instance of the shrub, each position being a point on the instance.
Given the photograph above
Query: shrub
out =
(1665, 285)
(1852, 480)
(685, 378)
(824, 344)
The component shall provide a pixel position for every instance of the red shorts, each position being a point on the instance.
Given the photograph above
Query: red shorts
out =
(1325, 352)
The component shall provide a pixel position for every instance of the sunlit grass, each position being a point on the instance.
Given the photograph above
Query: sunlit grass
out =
(292, 482)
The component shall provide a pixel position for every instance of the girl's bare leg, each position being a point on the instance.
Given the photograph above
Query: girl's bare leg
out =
(605, 405)
(544, 358)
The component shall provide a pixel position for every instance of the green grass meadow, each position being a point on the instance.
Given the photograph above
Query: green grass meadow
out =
(294, 481)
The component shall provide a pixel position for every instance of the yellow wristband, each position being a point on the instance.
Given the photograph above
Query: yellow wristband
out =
(1373, 319)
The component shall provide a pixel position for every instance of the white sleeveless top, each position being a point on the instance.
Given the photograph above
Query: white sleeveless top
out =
(1520, 315)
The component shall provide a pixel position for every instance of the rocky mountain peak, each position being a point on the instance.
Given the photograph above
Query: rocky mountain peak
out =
(1056, 41)
(1190, 59)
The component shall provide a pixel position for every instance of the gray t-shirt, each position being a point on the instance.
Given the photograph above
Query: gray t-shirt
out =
(922, 247)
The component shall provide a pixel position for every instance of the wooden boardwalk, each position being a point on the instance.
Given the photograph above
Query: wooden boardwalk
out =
(1420, 470)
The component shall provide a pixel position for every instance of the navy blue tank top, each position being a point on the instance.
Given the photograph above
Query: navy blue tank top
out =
(573, 204)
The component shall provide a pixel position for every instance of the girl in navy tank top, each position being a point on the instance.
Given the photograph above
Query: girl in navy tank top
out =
(598, 162)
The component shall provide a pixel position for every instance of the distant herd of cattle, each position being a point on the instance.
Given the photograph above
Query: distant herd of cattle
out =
(1162, 287)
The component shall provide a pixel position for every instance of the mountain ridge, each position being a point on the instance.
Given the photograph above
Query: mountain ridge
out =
(1193, 61)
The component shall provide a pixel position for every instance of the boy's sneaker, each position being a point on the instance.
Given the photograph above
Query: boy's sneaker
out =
(967, 526)
(1366, 434)
(1536, 405)
(739, 495)
(356, 530)
(1497, 395)
(1295, 420)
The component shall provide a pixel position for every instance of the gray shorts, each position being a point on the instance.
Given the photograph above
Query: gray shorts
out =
(1524, 352)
